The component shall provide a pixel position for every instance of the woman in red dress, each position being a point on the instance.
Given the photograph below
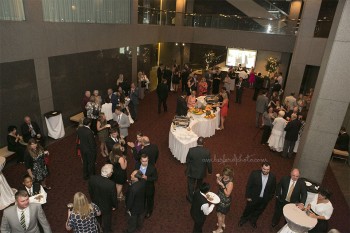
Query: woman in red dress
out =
(224, 109)
(202, 87)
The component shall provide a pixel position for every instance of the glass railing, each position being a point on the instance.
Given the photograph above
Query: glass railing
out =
(282, 26)
(272, 9)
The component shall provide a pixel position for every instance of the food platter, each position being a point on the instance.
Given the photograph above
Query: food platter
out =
(197, 111)
(211, 116)
(212, 197)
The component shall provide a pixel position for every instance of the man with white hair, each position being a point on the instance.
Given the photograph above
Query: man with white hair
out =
(103, 193)
(151, 150)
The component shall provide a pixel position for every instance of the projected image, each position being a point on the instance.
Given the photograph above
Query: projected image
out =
(239, 56)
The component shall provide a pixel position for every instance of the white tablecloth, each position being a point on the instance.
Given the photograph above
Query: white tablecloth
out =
(297, 220)
(55, 126)
(181, 140)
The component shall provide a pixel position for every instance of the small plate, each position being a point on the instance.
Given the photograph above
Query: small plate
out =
(308, 183)
(216, 198)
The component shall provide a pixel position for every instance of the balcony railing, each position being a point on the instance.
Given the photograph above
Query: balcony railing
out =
(282, 26)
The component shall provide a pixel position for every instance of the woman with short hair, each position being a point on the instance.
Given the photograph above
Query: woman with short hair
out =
(82, 217)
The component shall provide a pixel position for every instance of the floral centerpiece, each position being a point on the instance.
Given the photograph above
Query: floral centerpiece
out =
(272, 64)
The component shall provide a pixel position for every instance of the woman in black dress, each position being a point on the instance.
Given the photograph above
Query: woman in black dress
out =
(119, 168)
(14, 143)
(225, 183)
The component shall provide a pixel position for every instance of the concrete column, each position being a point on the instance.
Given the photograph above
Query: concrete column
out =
(302, 45)
(134, 12)
(331, 100)
(180, 12)
(43, 82)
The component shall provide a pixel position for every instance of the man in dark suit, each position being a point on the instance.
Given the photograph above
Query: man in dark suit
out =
(342, 140)
(24, 217)
(103, 193)
(134, 101)
(167, 76)
(239, 91)
(84, 101)
(135, 201)
(113, 98)
(290, 189)
(184, 76)
(150, 175)
(160, 72)
(292, 132)
(30, 129)
(198, 161)
(200, 207)
(260, 189)
(181, 106)
(87, 148)
(113, 139)
(35, 191)
(258, 85)
(162, 92)
(148, 148)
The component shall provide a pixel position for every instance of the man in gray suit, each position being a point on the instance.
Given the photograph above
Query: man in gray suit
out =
(23, 217)
(123, 121)
(198, 161)
(261, 106)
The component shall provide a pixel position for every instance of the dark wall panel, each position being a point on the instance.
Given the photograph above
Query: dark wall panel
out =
(72, 74)
(19, 95)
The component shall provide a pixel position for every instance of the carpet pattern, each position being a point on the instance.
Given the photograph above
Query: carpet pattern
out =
(238, 145)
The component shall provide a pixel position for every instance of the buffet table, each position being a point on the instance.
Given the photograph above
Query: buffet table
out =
(297, 220)
(182, 139)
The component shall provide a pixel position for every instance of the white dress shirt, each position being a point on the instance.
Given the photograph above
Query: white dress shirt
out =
(26, 215)
(264, 179)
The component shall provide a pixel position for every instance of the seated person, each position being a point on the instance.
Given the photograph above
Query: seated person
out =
(35, 191)
(14, 143)
(342, 140)
(30, 129)
(181, 106)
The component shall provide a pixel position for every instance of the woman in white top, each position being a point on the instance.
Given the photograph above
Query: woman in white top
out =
(106, 108)
(276, 139)
(321, 209)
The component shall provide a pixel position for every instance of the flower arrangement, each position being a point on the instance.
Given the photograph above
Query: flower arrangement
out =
(272, 64)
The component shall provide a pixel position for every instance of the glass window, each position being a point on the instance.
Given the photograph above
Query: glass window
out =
(87, 11)
(11, 10)
(325, 18)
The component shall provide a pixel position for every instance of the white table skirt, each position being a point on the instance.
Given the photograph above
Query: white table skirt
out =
(181, 140)
(55, 126)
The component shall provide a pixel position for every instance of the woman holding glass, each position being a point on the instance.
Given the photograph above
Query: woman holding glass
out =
(225, 183)
(82, 217)
(34, 161)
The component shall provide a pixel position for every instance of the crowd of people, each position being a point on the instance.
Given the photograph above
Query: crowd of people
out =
(109, 118)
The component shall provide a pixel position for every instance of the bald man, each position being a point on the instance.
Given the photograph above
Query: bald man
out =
(151, 150)
(290, 189)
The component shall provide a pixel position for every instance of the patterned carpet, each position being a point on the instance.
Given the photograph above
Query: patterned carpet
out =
(238, 146)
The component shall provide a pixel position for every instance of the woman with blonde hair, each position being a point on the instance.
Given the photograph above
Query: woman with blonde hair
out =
(102, 132)
(119, 168)
(82, 217)
(34, 161)
(225, 183)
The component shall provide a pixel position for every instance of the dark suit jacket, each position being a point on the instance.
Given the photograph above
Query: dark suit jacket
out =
(196, 212)
(299, 193)
(110, 143)
(292, 130)
(114, 101)
(87, 140)
(342, 142)
(254, 186)
(26, 133)
(151, 150)
(198, 161)
(135, 197)
(152, 176)
(181, 106)
(10, 222)
(134, 96)
(103, 193)
(162, 91)
(36, 189)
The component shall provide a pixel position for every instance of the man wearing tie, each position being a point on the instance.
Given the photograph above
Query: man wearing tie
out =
(24, 217)
(30, 129)
(239, 91)
(259, 191)
(123, 121)
(290, 189)
(113, 139)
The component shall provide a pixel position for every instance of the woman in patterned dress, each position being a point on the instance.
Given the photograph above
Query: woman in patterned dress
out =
(225, 183)
(82, 218)
(34, 161)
